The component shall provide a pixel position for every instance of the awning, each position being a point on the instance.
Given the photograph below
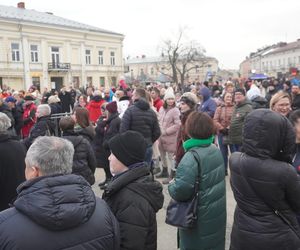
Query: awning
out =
(258, 77)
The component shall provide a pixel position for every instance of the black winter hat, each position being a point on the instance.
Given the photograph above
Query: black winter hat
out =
(240, 90)
(128, 147)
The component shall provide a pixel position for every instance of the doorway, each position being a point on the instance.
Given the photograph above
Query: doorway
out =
(58, 83)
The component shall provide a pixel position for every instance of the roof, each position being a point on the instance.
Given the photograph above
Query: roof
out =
(287, 47)
(143, 60)
(33, 16)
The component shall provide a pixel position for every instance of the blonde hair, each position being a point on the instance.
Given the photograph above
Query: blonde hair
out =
(277, 97)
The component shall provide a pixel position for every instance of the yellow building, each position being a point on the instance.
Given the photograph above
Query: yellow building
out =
(38, 48)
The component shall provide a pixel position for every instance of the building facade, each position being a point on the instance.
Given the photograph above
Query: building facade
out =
(278, 60)
(45, 50)
(158, 69)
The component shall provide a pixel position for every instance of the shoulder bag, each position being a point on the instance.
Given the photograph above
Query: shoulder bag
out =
(184, 214)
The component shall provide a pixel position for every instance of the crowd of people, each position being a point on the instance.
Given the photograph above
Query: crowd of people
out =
(52, 143)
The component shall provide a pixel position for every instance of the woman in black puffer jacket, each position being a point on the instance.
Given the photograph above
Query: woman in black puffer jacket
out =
(84, 161)
(263, 181)
(108, 126)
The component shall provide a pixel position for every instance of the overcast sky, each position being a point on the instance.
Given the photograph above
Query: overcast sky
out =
(228, 29)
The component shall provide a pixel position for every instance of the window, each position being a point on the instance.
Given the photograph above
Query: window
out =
(34, 53)
(55, 56)
(279, 62)
(152, 71)
(114, 80)
(102, 81)
(299, 59)
(100, 56)
(15, 52)
(112, 58)
(88, 56)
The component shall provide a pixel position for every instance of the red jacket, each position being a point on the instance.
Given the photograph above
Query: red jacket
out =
(28, 121)
(94, 108)
(158, 104)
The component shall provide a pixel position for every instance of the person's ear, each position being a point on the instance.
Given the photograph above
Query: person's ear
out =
(32, 172)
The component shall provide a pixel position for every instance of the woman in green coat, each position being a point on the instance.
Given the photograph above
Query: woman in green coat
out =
(209, 232)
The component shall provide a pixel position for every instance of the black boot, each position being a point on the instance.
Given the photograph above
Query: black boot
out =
(163, 174)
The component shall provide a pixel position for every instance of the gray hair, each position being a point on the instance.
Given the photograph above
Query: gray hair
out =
(5, 123)
(44, 110)
(52, 155)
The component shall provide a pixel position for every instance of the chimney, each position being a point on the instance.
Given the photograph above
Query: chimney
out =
(21, 5)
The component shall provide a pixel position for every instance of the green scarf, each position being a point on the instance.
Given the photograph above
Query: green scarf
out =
(191, 143)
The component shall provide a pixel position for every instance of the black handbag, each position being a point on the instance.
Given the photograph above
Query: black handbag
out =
(184, 214)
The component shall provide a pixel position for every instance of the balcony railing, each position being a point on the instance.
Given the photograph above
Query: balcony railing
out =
(59, 66)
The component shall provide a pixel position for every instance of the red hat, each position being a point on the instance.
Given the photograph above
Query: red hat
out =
(112, 107)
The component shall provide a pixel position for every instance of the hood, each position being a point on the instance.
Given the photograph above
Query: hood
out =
(246, 102)
(267, 134)
(205, 92)
(139, 181)
(97, 98)
(142, 104)
(124, 98)
(151, 191)
(88, 132)
(259, 99)
(74, 138)
(96, 104)
(56, 202)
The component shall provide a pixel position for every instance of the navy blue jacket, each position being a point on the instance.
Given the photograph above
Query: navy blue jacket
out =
(58, 212)
(208, 105)
(141, 118)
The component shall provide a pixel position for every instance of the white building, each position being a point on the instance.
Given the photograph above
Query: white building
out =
(277, 60)
(38, 48)
(158, 69)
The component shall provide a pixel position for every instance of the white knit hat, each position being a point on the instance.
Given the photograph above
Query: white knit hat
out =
(53, 99)
(169, 94)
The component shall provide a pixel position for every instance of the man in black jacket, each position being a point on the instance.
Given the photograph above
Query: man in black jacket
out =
(17, 113)
(55, 209)
(132, 194)
(12, 155)
(141, 118)
(43, 126)
(84, 160)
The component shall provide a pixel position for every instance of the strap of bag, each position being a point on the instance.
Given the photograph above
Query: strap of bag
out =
(276, 211)
(197, 184)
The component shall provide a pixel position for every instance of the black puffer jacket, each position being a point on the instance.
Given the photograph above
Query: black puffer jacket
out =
(44, 126)
(58, 212)
(55, 108)
(258, 178)
(88, 132)
(134, 199)
(141, 118)
(12, 169)
(84, 161)
(105, 130)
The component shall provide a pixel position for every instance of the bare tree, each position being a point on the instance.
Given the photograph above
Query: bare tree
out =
(183, 56)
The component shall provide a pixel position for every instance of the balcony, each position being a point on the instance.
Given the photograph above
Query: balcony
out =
(59, 66)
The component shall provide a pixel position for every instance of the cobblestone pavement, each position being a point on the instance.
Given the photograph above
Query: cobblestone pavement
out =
(167, 235)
